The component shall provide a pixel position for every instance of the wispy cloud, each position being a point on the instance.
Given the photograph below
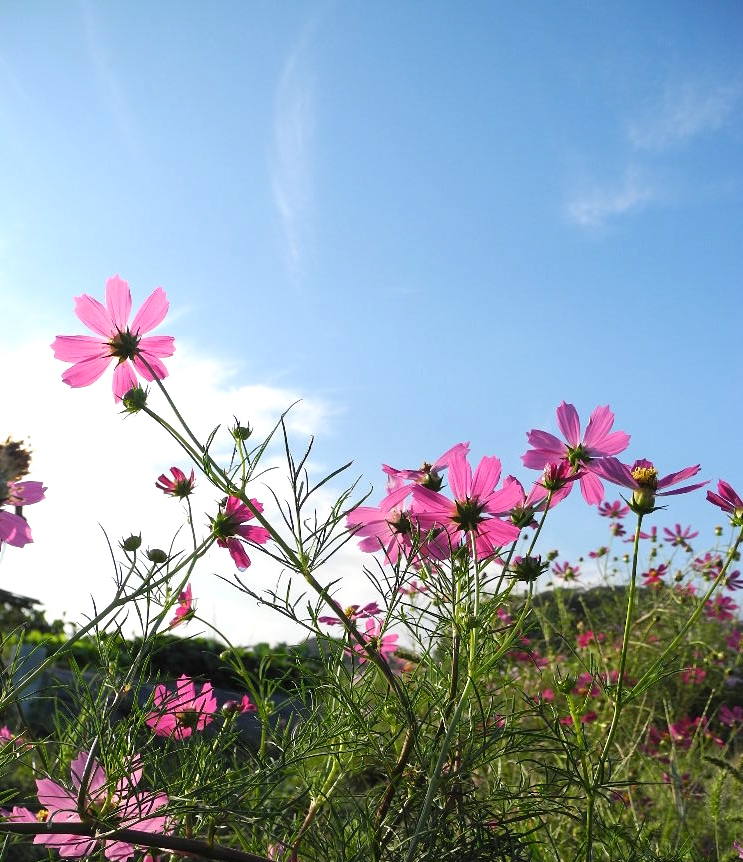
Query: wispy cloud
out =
(682, 113)
(291, 156)
(595, 204)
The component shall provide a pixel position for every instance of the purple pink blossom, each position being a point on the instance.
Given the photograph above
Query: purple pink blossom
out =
(679, 537)
(642, 479)
(133, 353)
(722, 608)
(14, 528)
(429, 475)
(353, 612)
(729, 501)
(582, 455)
(179, 713)
(385, 645)
(184, 612)
(231, 530)
(180, 485)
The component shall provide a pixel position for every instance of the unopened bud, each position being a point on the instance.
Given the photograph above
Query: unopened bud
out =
(135, 399)
(132, 543)
(156, 555)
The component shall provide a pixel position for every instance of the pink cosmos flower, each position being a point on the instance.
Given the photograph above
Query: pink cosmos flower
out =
(14, 528)
(522, 513)
(385, 645)
(429, 475)
(643, 479)
(92, 356)
(583, 455)
(722, 608)
(393, 529)
(477, 508)
(734, 581)
(729, 501)
(234, 707)
(117, 806)
(566, 571)
(179, 486)
(184, 611)
(588, 637)
(654, 576)
(731, 717)
(231, 531)
(680, 537)
(179, 713)
(354, 612)
(739, 848)
(613, 510)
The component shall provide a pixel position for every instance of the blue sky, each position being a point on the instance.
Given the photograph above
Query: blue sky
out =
(432, 222)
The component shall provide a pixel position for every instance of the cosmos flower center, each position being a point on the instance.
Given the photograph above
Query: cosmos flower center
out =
(15, 461)
(224, 526)
(188, 717)
(399, 522)
(646, 477)
(42, 815)
(468, 514)
(124, 345)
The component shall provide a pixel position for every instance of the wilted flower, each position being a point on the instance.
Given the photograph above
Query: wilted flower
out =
(91, 356)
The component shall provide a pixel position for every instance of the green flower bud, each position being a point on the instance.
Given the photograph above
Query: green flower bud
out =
(135, 399)
(156, 555)
(132, 543)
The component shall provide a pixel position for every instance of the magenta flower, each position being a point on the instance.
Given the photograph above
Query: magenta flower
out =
(654, 576)
(582, 455)
(14, 528)
(235, 707)
(429, 475)
(385, 645)
(179, 713)
(230, 529)
(613, 510)
(565, 571)
(527, 505)
(643, 479)
(180, 485)
(354, 612)
(477, 508)
(732, 716)
(722, 608)
(92, 356)
(729, 501)
(184, 612)
(393, 529)
(117, 806)
(680, 537)
(733, 581)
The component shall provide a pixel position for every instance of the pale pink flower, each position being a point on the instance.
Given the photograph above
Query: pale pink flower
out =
(179, 713)
(385, 645)
(477, 508)
(180, 485)
(117, 806)
(582, 455)
(118, 341)
(230, 529)
(13, 527)
(184, 611)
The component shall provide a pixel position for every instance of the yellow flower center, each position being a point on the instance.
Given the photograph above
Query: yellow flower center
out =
(646, 477)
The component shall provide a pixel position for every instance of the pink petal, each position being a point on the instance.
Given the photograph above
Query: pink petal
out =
(151, 314)
(26, 493)
(76, 348)
(158, 345)
(673, 478)
(94, 315)
(55, 797)
(487, 475)
(569, 424)
(599, 426)
(459, 450)
(238, 553)
(124, 379)
(161, 372)
(86, 372)
(592, 489)
(118, 302)
(14, 530)
(460, 476)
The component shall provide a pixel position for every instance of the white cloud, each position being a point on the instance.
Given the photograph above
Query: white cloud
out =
(595, 204)
(682, 113)
(291, 156)
(100, 468)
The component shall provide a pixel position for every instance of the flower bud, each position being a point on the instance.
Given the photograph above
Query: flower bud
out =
(241, 432)
(528, 568)
(132, 543)
(135, 399)
(156, 555)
